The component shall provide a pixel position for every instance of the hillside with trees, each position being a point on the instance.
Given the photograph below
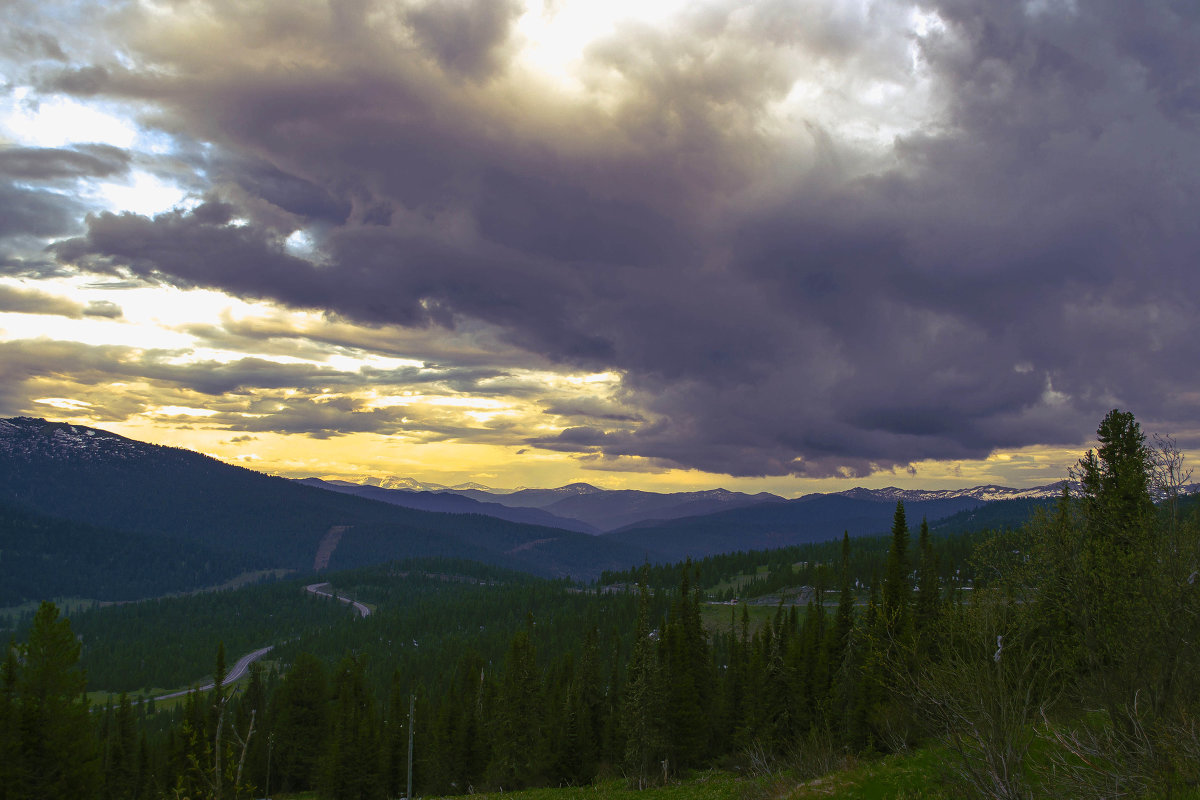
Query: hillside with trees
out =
(1066, 669)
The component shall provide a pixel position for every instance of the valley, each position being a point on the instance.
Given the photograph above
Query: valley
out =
(757, 639)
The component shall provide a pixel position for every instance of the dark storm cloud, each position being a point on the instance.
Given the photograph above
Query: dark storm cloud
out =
(31, 212)
(776, 296)
(289, 192)
(36, 202)
(42, 164)
(466, 37)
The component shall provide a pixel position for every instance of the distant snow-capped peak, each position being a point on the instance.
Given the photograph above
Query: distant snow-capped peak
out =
(987, 493)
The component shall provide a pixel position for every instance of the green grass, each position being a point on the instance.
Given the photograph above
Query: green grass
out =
(741, 579)
(916, 775)
(708, 786)
(717, 618)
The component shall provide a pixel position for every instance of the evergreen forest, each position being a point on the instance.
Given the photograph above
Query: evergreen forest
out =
(1051, 657)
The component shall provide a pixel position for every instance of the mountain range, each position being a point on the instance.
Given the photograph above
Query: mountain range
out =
(99, 484)
(87, 504)
(590, 509)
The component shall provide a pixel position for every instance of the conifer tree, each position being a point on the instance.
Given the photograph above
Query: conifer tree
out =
(351, 764)
(928, 599)
(1120, 561)
(844, 618)
(686, 663)
(517, 750)
(121, 771)
(733, 688)
(11, 765)
(300, 715)
(837, 645)
(586, 700)
(641, 706)
(395, 738)
(897, 589)
(866, 679)
(58, 749)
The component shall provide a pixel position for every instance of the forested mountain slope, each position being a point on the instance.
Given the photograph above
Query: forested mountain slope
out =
(42, 556)
(98, 478)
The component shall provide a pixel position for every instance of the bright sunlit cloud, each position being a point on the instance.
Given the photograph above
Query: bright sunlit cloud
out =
(55, 121)
(553, 36)
(143, 194)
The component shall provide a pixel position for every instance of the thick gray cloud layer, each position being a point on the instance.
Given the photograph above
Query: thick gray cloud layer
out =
(778, 296)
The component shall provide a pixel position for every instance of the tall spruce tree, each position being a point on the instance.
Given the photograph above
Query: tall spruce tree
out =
(58, 749)
(351, 764)
(641, 704)
(518, 754)
(897, 588)
(837, 645)
(300, 715)
(688, 679)
(121, 777)
(1119, 561)
(928, 599)
(11, 765)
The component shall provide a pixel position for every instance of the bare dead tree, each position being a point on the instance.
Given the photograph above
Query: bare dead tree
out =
(983, 694)
(245, 744)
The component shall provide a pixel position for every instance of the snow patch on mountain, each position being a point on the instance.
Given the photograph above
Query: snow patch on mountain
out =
(25, 437)
(987, 493)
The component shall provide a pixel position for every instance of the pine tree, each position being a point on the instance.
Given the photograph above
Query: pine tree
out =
(641, 706)
(11, 764)
(837, 646)
(1117, 591)
(58, 748)
(395, 738)
(517, 751)
(687, 671)
(350, 768)
(897, 589)
(300, 714)
(121, 772)
(844, 618)
(928, 599)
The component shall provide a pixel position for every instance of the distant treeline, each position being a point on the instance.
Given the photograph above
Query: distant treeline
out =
(1069, 670)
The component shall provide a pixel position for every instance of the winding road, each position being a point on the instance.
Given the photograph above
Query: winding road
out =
(315, 588)
(243, 663)
(239, 669)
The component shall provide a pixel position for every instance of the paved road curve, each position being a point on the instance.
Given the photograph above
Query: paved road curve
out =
(239, 669)
(243, 663)
(315, 588)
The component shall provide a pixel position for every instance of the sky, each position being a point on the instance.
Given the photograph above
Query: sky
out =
(782, 246)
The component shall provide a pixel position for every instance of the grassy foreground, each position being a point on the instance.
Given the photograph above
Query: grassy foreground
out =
(917, 775)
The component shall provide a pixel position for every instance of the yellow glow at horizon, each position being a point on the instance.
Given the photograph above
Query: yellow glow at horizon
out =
(178, 411)
(357, 456)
